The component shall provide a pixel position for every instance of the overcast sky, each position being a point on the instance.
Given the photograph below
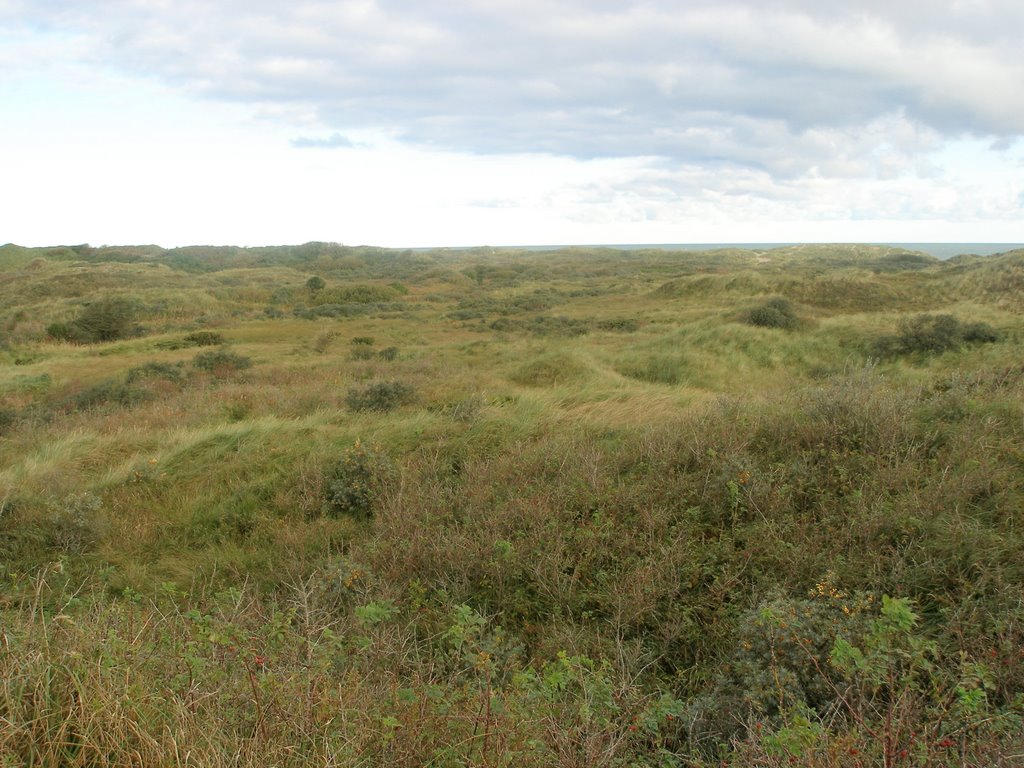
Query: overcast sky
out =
(468, 122)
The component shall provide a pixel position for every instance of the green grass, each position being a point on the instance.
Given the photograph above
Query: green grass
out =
(619, 525)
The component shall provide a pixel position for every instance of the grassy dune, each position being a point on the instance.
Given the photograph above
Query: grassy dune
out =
(499, 508)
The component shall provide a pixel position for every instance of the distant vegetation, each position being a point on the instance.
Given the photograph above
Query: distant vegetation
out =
(329, 505)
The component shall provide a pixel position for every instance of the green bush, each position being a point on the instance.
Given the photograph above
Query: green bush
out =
(204, 338)
(980, 333)
(354, 485)
(315, 284)
(102, 320)
(220, 361)
(774, 313)
(362, 353)
(389, 353)
(107, 392)
(379, 396)
(933, 335)
(154, 370)
(194, 339)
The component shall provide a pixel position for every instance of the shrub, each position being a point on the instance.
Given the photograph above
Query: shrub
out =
(379, 396)
(107, 392)
(354, 485)
(389, 353)
(315, 284)
(102, 320)
(60, 332)
(363, 353)
(774, 313)
(194, 339)
(323, 341)
(619, 325)
(75, 523)
(154, 370)
(362, 341)
(980, 333)
(204, 338)
(933, 334)
(357, 294)
(220, 361)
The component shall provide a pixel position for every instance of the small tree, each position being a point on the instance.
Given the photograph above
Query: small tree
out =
(315, 284)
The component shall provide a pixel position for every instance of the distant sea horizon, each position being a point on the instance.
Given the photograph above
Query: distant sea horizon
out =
(938, 250)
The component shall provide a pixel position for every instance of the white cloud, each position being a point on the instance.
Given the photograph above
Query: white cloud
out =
(553, 118)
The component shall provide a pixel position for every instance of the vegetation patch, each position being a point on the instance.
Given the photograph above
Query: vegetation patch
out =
(553, 369)
(221, 361)
(100, 321)
(932, 335)
(774, 313)
(354, 485)
(380, 396)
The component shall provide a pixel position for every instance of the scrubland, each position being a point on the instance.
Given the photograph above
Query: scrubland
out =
(503, 508)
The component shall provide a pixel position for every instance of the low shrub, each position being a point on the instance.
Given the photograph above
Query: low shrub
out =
(75, 523)
(774, 313)
(102, 320)
(154, 370)
(204, 338)
(354, 484)
(379, 396)
(362, 353)
(933, 335)
(194, 339)
(618, 325)
(389, 354)
(107, 392)
(220, 361)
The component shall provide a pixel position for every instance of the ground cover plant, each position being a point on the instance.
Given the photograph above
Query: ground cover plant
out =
(501, 508)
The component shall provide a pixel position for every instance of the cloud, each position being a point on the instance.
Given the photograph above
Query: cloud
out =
(767, 97)
(334, 141)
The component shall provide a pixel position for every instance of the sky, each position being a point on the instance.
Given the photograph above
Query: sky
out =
(406, 123)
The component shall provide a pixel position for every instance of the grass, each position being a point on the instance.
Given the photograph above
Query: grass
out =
(618, 525)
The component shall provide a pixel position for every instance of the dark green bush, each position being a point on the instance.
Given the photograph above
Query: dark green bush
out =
(108, 392)
(220, 361)
(194, 339)
(618, 325)
(154, 370)
(362, 341)
(60, 331)
(774, 313)
(315, 284)
(204, 338)
(389, 353)
(102, 320)
(354, 485)
(363, 353)
(933, 334)
(980, 333)
(379, 396)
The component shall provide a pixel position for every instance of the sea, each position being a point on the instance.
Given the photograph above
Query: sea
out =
(938, 250)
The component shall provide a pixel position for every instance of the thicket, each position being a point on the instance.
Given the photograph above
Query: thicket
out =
(101, 320)
(933, 334)
(379, 396)
(774, 313)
